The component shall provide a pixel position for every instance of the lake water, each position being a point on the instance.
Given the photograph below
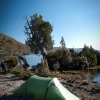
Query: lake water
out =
(34, 59)
(97, 78)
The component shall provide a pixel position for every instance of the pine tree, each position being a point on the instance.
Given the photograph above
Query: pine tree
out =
(62, 42)
(38, 34)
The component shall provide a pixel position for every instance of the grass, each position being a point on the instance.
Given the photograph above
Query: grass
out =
(69, 75)
(95, 67)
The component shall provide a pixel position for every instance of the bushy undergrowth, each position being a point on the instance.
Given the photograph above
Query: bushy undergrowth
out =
(56, 66)
(44, 69)
(19, 72)
(11, 62)
(60, 55)
(71, 60)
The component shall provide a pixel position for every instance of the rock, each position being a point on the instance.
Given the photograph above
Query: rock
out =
(94, 82)
(85, 82)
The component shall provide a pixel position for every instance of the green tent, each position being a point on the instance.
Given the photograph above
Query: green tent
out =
(40, 88)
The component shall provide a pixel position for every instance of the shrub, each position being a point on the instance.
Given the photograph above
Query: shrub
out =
(52, 58)
(56, 66)
(44, 69)
(62, 56)
(19, 72)
(11, 62)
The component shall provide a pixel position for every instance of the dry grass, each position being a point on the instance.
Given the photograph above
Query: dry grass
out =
(71, 75)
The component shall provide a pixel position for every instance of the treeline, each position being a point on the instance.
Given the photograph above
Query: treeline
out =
(11, 47)
(71, 60)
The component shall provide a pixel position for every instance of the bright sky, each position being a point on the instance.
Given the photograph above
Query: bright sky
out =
(78, 21)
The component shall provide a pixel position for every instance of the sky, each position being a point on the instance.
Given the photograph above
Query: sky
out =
(78, 21)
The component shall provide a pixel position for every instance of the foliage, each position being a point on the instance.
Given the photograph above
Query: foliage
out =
(72, 60)
(19, 72)
(56, 66)
(52, 58)
(12, 47)
(90, 54)
(73, 53)
(38, 33)
(66, 57)
(44, 69)
(11, 61)
(88, 57)
(95, 67)
(98, 56)
(60, 55)
(62, 42)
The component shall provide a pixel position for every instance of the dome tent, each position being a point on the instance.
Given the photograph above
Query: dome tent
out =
(40, 88)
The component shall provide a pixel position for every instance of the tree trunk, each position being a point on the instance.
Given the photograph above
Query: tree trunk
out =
(43, 51)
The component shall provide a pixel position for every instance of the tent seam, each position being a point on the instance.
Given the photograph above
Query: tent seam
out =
(47, 89)
(26, 87)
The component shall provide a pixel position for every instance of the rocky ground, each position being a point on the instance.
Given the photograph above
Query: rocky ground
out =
(83, 90)
(79, 87)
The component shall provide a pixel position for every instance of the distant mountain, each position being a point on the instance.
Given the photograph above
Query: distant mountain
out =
(98, 50)
(11, 46)
(75, 49)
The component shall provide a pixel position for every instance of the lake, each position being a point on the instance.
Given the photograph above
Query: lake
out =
(34, 59)
(97, 78)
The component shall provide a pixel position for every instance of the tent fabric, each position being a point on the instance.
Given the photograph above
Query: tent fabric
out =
(66, 94)
(41, 88)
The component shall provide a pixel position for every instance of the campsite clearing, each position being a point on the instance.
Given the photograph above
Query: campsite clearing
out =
(79, 87)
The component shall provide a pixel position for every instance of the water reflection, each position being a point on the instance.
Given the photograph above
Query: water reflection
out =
(96, 74)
